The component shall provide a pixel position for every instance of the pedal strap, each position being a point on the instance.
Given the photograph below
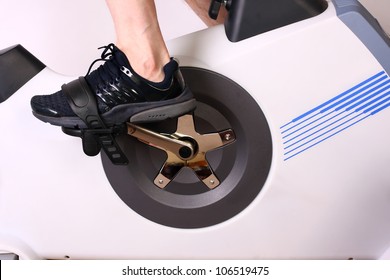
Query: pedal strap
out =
(97, 136)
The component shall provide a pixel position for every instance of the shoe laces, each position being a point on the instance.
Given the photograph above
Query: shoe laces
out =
(107, 73)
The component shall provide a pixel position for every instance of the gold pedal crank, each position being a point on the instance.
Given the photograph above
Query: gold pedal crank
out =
(184, 148)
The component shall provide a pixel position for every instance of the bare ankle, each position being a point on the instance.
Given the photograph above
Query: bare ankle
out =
(148, 65)
(149, 70)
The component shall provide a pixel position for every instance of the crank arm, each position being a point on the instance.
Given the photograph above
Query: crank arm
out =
(182, 149)
(180, 153)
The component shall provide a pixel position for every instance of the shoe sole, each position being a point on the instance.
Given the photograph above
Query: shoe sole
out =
(137, 113)
(164, 112)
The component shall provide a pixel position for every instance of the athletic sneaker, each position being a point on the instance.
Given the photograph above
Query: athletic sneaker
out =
(121, 95)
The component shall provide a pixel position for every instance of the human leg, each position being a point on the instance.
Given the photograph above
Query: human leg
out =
(139, 36)
(138, 81)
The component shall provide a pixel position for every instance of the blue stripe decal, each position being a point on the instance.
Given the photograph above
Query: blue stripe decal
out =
(336, 115)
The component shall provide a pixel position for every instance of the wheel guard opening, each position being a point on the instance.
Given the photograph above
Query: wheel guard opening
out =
(232, 148)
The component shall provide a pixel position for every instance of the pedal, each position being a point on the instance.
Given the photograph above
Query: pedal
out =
(184, 148)
(93, 140)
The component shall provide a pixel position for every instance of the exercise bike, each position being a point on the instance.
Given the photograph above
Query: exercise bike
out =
(284, 157)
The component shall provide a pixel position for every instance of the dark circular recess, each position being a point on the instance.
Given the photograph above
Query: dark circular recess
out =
(242, 167)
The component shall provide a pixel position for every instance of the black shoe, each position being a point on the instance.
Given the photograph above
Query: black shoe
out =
(121, 95)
